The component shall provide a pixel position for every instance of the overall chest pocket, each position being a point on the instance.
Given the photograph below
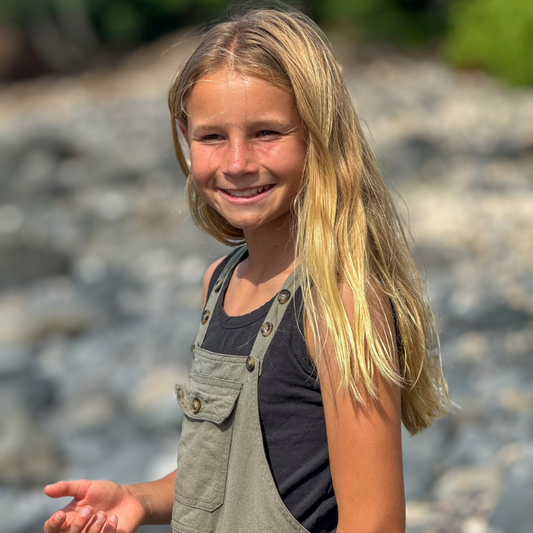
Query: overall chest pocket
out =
(205, 442)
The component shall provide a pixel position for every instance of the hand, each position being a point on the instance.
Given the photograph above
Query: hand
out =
(97, 507)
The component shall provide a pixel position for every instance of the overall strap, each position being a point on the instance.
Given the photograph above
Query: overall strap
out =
(274, 316)
(215, 293)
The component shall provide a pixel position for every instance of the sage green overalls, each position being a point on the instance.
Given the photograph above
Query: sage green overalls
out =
(224, 483)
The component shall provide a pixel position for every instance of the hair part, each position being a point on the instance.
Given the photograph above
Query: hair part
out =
(346, 229)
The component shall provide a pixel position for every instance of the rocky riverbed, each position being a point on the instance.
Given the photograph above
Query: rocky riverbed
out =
(100, 271)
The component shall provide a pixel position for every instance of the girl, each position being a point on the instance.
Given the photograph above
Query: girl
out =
(316, 339)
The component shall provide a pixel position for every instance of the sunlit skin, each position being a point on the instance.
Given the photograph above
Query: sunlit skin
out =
(245, 132)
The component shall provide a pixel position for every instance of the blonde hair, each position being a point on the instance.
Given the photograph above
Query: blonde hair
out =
(347, 228)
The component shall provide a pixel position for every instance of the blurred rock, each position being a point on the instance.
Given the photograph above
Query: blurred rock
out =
(14, 360)
(11, 218)
(414, 158)
(468, 480)
(89, 411)
(421, 457)
(154, 401)
(28, 454)
(48, 313)
(20, 264)
(514, 512)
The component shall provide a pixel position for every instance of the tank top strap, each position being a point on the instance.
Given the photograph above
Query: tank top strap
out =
(275, 315)
(215, 293)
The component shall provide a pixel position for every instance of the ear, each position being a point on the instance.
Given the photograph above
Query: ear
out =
(184, 132)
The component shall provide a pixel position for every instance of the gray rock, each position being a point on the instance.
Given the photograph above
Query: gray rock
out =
(469, 480)
(473, 445)
(14, 360)
(422, 455)
(514, 512)
(28, 454)
(49, 309)
(21, 264)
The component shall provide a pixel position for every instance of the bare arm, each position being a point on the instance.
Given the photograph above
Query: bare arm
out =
(157, 498)
(365, 443)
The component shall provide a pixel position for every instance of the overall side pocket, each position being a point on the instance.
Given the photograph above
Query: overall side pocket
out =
(205, 442)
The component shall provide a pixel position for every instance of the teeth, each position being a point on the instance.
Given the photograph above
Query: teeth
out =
(248, 192)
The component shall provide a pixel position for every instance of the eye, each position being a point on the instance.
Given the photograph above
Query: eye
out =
(211, 137)
(267, 133)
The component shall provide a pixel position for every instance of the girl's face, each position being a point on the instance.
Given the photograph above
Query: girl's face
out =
(248, 148)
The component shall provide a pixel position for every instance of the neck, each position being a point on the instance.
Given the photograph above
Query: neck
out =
(270, 252)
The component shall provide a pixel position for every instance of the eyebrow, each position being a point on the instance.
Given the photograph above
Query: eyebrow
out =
(265, 124)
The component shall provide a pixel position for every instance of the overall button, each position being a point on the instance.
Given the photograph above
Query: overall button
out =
(284, 296)
(250, 364)
(196, 406)
(193, 346)
(218, 285)
(267, 328)
(205, 316)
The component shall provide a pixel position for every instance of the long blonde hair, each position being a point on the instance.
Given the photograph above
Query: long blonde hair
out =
(347, 227)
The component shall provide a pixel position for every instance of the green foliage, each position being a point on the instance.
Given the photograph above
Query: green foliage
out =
(496, 35)
(405, 22)
(117, 21)
(23, 9)
(122, 22)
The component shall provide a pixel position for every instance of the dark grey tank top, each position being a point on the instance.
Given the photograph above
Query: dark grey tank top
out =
(290, 408)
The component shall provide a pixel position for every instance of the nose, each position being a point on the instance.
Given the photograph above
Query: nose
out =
(239, 158)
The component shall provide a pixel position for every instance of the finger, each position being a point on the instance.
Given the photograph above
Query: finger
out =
(98, 523)
(111, 526)
(55, 523)
(65, 488)
(81, 520)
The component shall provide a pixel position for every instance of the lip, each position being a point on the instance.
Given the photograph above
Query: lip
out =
(247, 199)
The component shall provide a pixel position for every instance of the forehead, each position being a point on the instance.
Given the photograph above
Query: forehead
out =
(228, 92)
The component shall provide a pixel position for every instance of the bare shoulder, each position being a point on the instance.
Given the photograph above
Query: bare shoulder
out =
(207, 278)
(378, 301)
(380, 308)
(382, 317)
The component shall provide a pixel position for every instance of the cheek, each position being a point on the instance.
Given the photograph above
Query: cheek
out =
(291, 167)
(286, 161)
(202, 163)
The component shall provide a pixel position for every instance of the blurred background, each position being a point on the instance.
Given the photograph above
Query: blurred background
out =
(101, 265)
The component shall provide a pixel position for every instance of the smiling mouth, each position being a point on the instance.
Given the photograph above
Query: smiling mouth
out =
(246, 193)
